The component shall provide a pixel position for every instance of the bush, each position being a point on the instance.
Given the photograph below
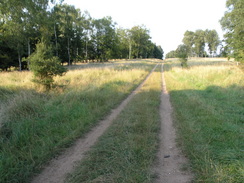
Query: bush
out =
(182, 54)
(45, 66)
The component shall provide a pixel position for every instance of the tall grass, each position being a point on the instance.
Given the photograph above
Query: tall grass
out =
(208, 101)
(126, 151)
(35, 126)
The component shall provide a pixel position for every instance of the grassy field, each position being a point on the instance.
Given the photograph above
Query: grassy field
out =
(125, 153)
(35, 125)
(208, 102)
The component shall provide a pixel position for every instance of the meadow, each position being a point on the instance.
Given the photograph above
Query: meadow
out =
(37, 125)
(208, 102)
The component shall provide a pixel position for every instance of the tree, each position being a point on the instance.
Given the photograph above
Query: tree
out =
(140, 41)
(182, 53)
(212, 39)
(104, 38)
(188, 40)
(68, 18)
(75, 36)
(171, 54)
(12, 16)
(199, 42)
(232, 22)
(157, 52)
(44, 65)
(21, 20)
(124, 47)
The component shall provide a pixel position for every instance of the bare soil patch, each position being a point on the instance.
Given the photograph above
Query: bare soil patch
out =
(170, 158)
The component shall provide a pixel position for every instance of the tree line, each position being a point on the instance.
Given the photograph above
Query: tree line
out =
(232, 23)
(196, 43)
(72, 35)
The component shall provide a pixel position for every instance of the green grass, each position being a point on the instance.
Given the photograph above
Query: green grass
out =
(36, 126)
(127, 150)
(208, 101)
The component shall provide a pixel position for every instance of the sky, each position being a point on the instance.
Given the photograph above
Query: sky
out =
(167, 20)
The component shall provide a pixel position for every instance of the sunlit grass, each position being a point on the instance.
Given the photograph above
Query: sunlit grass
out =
(127, 150)
(35, 126)
(208, 101)
(16, 79)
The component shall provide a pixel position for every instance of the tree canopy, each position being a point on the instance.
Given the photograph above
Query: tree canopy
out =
(74, 35)
(233, 24)
(196, 43)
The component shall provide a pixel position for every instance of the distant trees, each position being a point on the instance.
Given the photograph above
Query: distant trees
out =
(195, 44)
(212, 40)
(171, 54)
(233, 23)
(74, 35)
(188, 40)
(136, 43)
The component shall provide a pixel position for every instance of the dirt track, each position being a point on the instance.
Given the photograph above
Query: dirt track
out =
(59, 167)
(170, 159)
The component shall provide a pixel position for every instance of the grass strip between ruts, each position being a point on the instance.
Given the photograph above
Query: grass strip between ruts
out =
(126, 151)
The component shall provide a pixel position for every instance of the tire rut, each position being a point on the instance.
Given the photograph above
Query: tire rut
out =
(58, 168)
(170, 158)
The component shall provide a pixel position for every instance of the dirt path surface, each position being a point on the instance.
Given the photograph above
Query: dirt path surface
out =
(59, 167)
(170, 158)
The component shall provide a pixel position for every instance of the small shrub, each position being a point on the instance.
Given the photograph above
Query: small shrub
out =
(45, 66)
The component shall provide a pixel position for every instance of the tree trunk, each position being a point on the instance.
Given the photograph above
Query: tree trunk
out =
(86, 45)
(86, 50)
(69, 63)
(29, 52)
(19, 58)
(129, 50)
(56, 40)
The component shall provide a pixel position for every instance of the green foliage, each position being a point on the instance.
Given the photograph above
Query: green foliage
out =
(104, 38)
(188, 40)
(199, 42)
(171, 54)
(76, 36)
(157, 52)
(140, 41)
(195, 41)
(45, 66)
(233, 24)
(182, 54)
(194, 44)
(212, 39)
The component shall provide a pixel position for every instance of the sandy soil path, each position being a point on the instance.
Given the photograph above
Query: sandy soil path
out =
(59, 167)
(170, 158)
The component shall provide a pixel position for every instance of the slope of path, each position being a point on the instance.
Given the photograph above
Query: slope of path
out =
(59, 167)
(170, 158)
